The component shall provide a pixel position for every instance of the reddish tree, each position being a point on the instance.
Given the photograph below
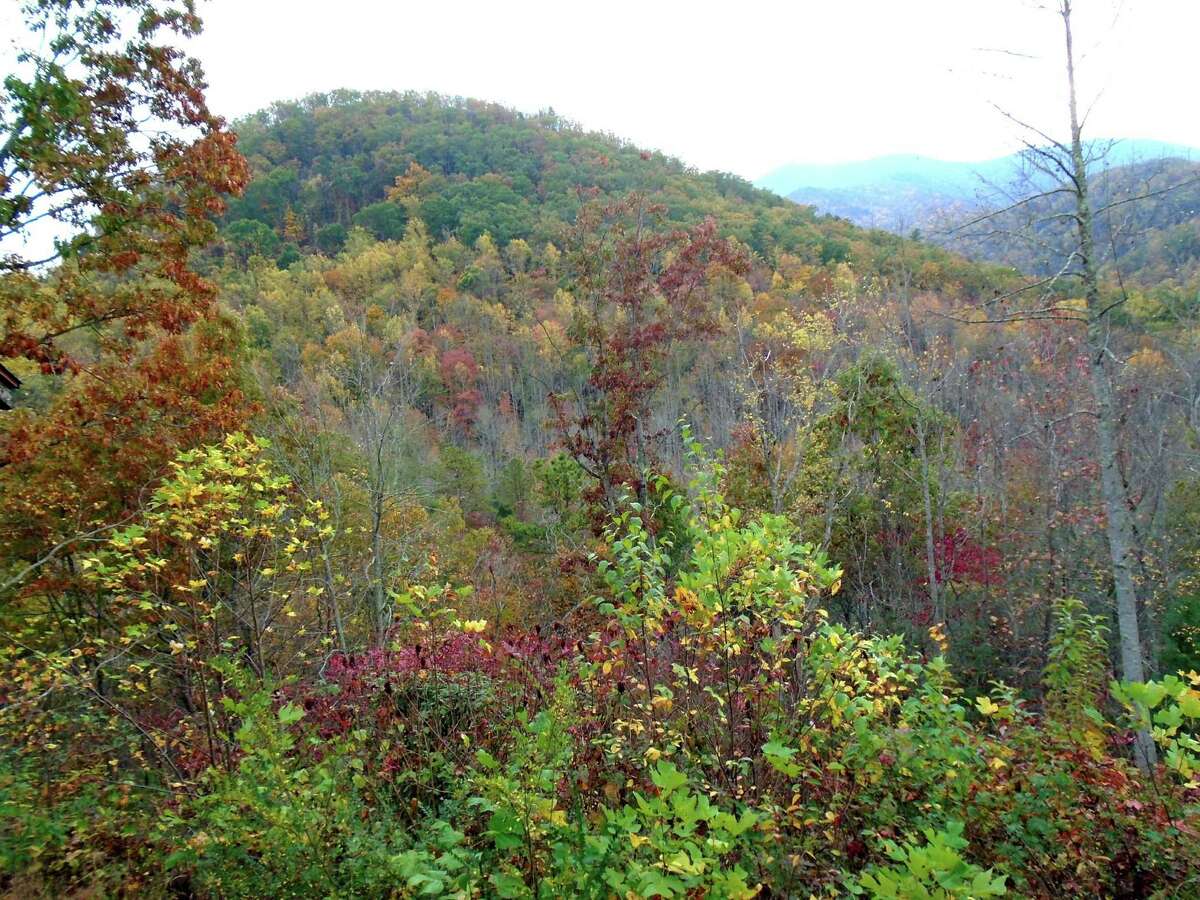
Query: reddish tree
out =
(460, 372)
(109, 136)
(638, 291)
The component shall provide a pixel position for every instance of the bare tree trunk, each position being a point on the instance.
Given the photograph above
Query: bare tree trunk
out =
(930, 547)
(1116, 507)
(379, 607)
(331, 586)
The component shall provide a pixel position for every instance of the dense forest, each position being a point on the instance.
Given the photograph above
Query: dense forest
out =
(408, 496)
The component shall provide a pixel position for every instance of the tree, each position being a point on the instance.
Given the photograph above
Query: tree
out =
(1116, 502)
(384, 220)
(878, 446)
(331, 239)
(249, 237)
(106, 144)
(105, 138)
(1066, 166)
(637, 292)
(367, 388)
(785, 354)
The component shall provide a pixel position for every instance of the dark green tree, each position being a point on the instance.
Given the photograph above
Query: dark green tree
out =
(331, 239)
(250, 237)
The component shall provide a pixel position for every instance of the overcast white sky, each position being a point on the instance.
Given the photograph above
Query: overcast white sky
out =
(741, 85)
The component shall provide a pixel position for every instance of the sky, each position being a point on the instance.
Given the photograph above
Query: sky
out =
(742, 86)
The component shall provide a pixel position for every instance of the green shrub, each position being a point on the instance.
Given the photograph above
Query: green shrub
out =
(935, 870)
(287, 820)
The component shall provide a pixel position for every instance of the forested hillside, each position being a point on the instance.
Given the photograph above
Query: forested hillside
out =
(407, 496)
(466, 167)
(1148, 235)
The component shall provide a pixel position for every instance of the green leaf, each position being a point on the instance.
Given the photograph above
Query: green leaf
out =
(666, 777)
(486, 760)
(1189, 705)
(775, 748)
(506, 830)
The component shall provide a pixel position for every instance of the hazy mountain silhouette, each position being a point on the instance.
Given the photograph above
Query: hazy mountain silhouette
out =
(905, 191)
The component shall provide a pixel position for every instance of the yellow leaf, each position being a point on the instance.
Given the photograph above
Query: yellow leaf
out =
(986, 706)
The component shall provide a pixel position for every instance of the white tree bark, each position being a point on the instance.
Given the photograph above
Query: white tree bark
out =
(1116, 503)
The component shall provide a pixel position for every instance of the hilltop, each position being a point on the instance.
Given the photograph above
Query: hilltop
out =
(331, 160)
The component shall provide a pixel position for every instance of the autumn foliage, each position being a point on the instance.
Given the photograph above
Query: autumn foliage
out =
(478, 507)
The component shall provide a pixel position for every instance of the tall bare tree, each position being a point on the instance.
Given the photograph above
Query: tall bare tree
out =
(1062, 222)
(1112, 483)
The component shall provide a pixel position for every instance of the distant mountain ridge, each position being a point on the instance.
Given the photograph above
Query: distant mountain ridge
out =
(898, 167)
(902, 191)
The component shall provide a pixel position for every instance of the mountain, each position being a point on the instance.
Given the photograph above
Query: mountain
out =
(413, 272)
(1151, 245)
(428, 252)
(329, 162)
(1147, 227)
(439, 563)
(901, 192)
(901, 169)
